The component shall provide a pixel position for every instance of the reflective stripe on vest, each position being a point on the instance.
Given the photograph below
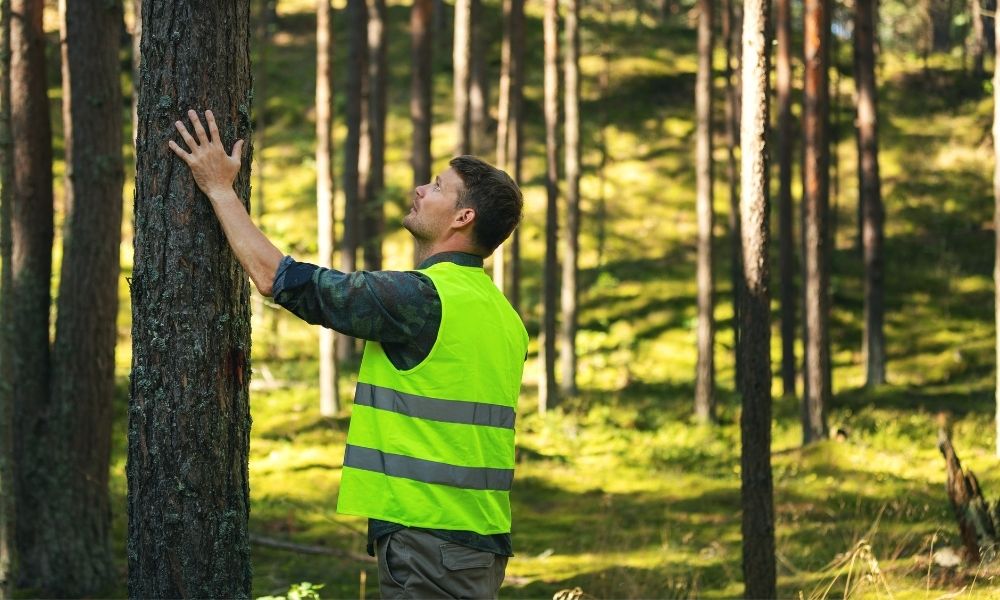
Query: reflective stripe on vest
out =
(447, 411)
(396, 465)
(433, 446)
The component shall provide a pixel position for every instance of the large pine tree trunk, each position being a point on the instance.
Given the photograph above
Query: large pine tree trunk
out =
(31, 270)
(816, 208)
(547, 393)
(355, 96)
(570, 292)
(189, 419)
(786, 242)
(329, 401)
(421, 86)
(869, 192)
(7, 477)
(704, 395)
(755, 317)
(461, 59)
(83, 357)
(374, 212)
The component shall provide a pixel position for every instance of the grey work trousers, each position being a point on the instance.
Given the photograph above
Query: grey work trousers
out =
(414, 564)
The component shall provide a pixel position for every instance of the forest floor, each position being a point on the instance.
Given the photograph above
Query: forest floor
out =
(618, 492)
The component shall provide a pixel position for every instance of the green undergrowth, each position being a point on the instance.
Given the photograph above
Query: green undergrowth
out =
(618, 492)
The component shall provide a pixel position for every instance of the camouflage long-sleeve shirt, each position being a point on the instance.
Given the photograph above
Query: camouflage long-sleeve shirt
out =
(399, 309)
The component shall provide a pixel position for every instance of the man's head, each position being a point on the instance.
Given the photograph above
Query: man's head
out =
(472, 200)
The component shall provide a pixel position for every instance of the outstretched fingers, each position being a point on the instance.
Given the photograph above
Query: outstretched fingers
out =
(198, 128)
(212, 127)
(186, 136)
(180, 152)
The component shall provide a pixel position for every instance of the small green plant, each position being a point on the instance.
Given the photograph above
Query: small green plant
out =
(298, 591)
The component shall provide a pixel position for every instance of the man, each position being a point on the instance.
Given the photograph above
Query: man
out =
(430, 449)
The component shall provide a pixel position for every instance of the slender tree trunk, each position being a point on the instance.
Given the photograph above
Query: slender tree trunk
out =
(977, 40)
(515, 136)
(329, 398)
(8, 553)
(479, 92)
(421, 87)
(547, 392)
(461, 59)
(83, 357)
(570, 292)
(704, 395)
(374, 212)
(503, 122)
(755, 317)
(506, 263)
(815, 203)
(355, 97)
(136, 55)
(31, 271)
(603, 85)
(731, 39)
(265, 18)
(869, 191)
(996, 219)
(786, 240)
(189, 418)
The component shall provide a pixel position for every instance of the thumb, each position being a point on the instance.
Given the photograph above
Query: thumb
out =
(237, 150)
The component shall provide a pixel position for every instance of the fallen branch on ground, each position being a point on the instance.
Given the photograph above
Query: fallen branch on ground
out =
(268, 542)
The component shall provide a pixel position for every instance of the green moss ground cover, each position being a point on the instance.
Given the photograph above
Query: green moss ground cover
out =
(617, 491)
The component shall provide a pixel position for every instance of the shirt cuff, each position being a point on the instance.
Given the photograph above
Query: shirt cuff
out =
(279, 276)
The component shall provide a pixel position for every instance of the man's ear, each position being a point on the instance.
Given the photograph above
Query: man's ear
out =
(465, 216)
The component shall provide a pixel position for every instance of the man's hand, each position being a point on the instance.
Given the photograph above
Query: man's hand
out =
(214, 171)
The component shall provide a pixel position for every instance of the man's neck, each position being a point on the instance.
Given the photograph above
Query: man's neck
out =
(423, 251)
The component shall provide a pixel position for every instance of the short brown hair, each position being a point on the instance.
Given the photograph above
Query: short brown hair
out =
(493, 195)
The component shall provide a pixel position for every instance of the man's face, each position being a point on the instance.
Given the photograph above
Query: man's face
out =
(434, 207)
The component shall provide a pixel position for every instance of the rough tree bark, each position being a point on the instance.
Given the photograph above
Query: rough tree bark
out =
(869, 192)
(83, 355)
(461, 58)
(786, 241)
(329, 399)
(355, 97)
(8, 555)
(421, 86)
(189, 421)
(704, 394)
(816, 208)
(374, 212)
(31, 271)
(757, 490)
(547, 392)
(569, 291)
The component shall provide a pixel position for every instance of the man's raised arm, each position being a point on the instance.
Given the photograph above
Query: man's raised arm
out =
(214, 171)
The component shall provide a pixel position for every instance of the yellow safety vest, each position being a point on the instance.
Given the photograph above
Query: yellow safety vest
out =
(433, 446)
